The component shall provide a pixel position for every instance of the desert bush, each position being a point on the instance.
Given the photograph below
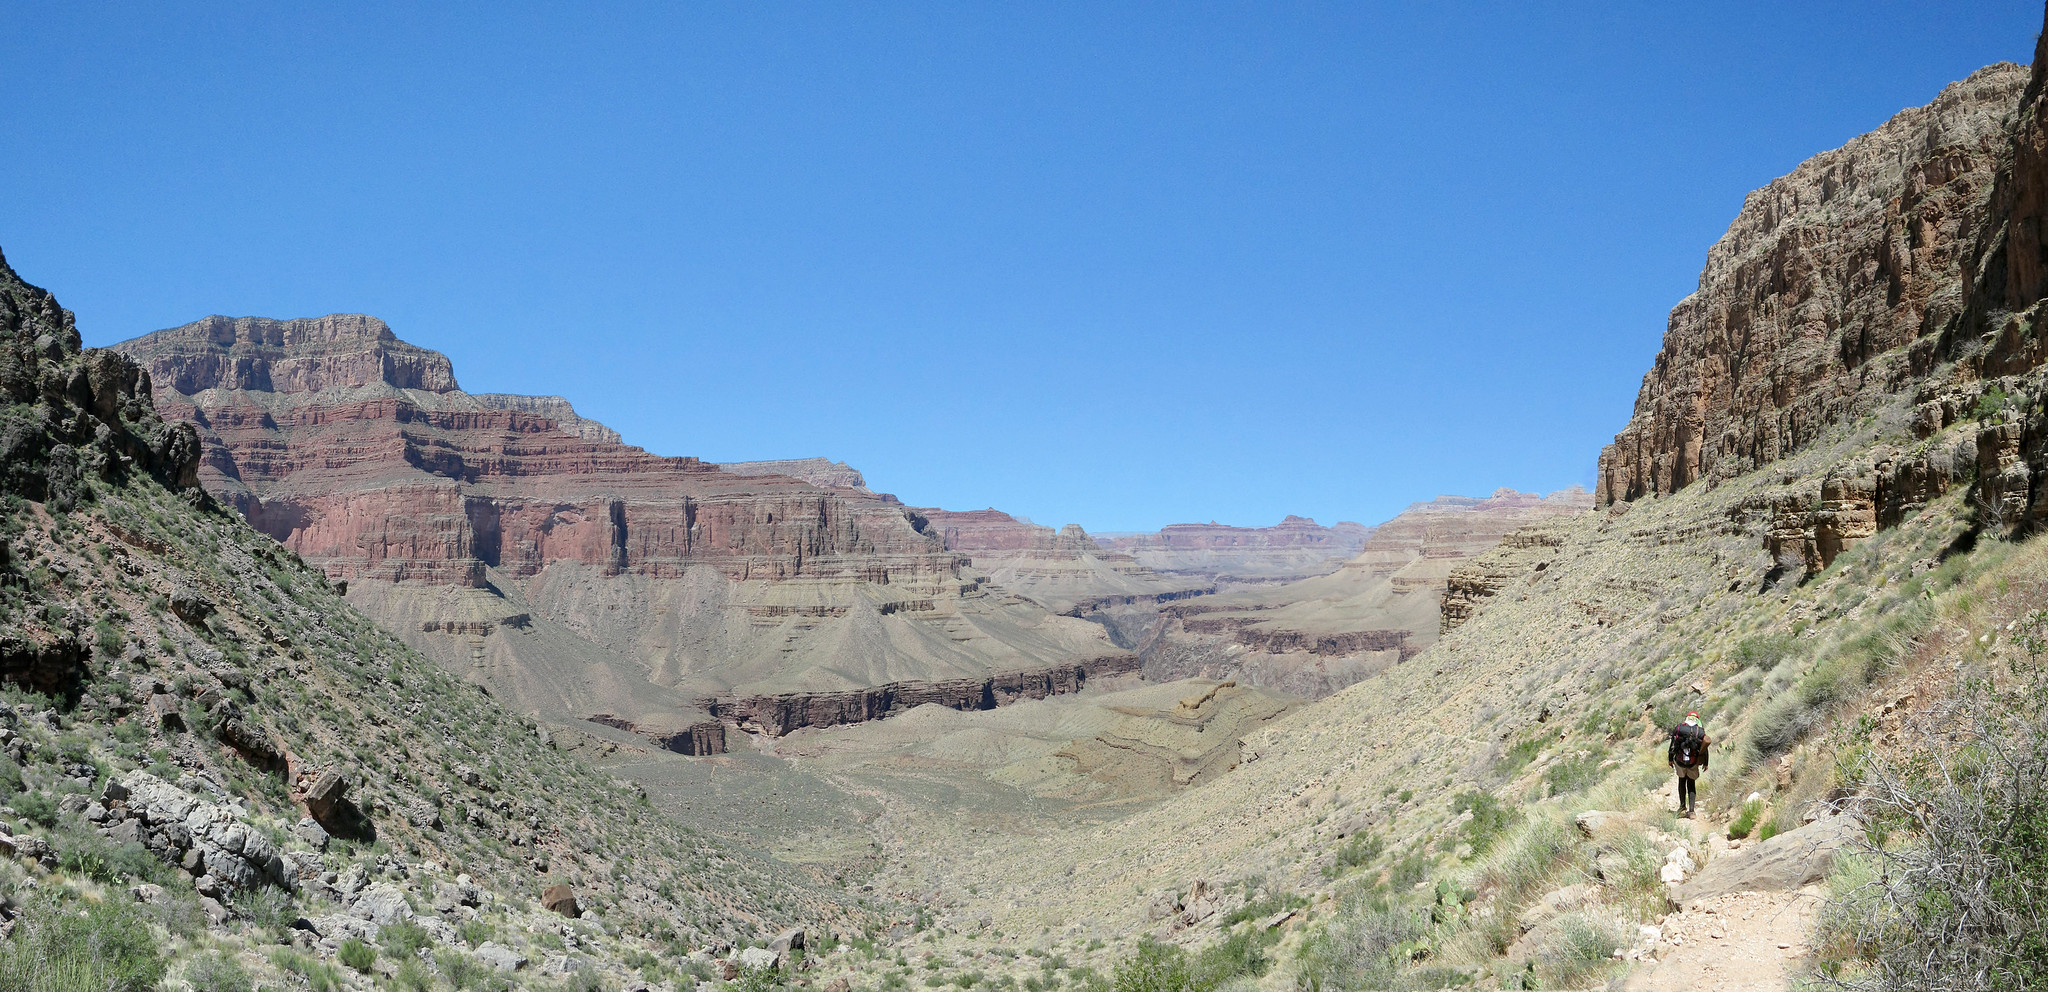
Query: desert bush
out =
(356, 954)
(1764, 651)
(1746, 820)
(1489, 819)
(1573, 774)
(1578, 949)
(404, 939)
(318, 976)
(1957, 898)
(1361, 849)
(1364, 947)
(103, 948)
(1531, 858)
(217, 972)
(37, 807)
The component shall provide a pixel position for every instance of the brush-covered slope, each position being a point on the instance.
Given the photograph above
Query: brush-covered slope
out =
(1816, 531)
(203, 738)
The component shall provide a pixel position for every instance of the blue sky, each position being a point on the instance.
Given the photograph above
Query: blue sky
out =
(1120, 265)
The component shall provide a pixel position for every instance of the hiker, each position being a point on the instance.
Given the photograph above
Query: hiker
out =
(1688, 756)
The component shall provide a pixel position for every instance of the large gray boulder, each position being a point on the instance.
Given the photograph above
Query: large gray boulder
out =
(1788, 861)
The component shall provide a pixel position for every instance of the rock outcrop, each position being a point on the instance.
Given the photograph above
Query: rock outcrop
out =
(821, 472)
(582, 577)
(1828, 294)
(1895, 285)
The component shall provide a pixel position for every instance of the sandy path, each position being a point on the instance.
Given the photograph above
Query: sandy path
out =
(1731, 943)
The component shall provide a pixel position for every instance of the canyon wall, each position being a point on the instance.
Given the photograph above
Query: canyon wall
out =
(1381, 607)
(651, 592)
(1295, 548)
(1830, 293)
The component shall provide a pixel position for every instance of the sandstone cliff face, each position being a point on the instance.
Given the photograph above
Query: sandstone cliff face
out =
(553, 408)
(1827, 294)
(821, 472)
(653, 592)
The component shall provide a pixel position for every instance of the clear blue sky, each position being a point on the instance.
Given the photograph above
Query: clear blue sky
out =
(1120, 265)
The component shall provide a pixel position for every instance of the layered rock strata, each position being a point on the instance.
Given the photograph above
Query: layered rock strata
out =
(1065, 570)
(1893, 286)
(1830, 292)
(1295, 548)
(581, 576)
(1385, 605)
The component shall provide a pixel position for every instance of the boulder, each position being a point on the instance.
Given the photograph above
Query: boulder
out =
(382, 904)
(788, 940)
(1783, 863)
(756, 959)
(499, 957)
(325, 796)
(561, 899)
(1593, 823)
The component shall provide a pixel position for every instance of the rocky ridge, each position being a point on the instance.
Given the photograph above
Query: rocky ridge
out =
(216, 739)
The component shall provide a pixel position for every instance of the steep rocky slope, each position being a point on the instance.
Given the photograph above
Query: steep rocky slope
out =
(1295, 548)
(203, 739)
(1382, 606)
(586, 579)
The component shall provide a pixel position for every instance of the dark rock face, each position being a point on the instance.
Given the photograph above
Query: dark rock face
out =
(75, 414)
(780, 714)
(1909, 263)
(1826, 295)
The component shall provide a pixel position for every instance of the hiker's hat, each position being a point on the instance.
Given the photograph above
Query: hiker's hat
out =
(1693, 717)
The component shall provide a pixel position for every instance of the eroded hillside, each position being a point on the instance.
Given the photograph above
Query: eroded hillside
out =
(206, 740)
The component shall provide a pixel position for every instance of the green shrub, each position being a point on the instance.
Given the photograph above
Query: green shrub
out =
(413, 976)
(1361, 849)
(1364, 947)
(356, 954)
(217, 972)
(404, 939)
(37, 807)
(103, 948)
(1518, 754)
(319, 976)
(108, 639)
(1764, 651)
(1157, 967)
(1489, 819)
(1746, 820)
(1580, 947)
(1991, 404)
(1572, 775)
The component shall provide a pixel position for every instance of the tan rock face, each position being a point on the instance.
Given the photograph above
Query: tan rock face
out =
(1808, 305)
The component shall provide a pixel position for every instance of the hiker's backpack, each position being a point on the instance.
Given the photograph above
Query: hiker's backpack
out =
(1689, 745)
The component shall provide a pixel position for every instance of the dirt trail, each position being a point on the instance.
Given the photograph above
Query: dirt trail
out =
(1733, 943)
(1736, 942)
